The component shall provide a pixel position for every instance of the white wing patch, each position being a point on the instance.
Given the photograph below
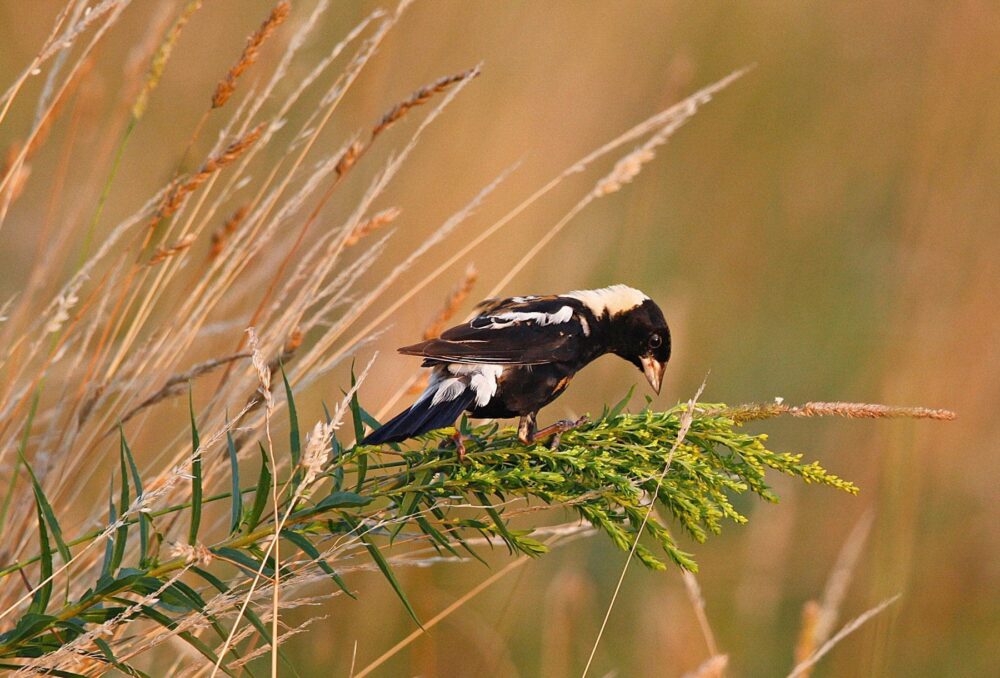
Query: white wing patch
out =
(484, 383)
(483, 379)
(613, 300)
(448, 389)
(502, 320)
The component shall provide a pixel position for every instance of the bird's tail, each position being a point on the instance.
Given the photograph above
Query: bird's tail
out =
(423, 416)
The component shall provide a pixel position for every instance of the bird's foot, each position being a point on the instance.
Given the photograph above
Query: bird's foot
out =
(557, 429)
(459, 439)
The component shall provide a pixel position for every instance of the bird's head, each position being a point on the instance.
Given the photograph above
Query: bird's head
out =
(638, 330)
(643, 338)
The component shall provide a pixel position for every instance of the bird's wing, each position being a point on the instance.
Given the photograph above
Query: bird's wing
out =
(514, 331)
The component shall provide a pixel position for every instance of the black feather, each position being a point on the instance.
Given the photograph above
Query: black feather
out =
(421, 417)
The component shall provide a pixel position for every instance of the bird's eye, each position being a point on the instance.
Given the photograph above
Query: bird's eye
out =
(655, 341)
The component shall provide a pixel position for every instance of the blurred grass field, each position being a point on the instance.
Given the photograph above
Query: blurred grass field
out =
(824, 229)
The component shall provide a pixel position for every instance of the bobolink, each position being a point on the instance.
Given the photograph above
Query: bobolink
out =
(520, 353)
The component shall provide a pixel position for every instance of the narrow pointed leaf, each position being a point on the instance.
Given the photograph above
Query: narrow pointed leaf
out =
(294, 439)
(50, 516)
(187, 636)
(145, 521)
(263, 629)
(40, 601)
(234, 471)
(109, 657)
(121, 535)
(359, 432)
(617, 409)
(196, 479)
(410, 501)
(335, 452)
(243, 560)
(109, 546)
(386, 569)
(307, 547)
(260, 495)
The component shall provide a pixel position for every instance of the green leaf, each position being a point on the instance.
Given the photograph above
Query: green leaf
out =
(617, 409)
(260, 494)
(109, 657)
(49, 672)
(359, 432)
(410, 501)
(307, 547)
(294, 439)
(243, 560)
(50, 516)
(196, 479)
(187, 636)
(236, 512)
(40, 601)
(384, 566)
(145, 522)
(252, 617)
(335, 452)
(121, 535)
(342, 500)
(109, 546)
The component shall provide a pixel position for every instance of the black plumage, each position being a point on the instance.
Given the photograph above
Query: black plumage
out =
(519, 354)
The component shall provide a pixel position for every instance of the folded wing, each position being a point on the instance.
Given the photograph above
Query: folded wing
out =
(515, 331)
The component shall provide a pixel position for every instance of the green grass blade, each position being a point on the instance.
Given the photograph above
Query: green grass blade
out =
(620, 406)
(410, 502)
(187, 636)
(50, 516)
(109, 657)
(145, 522)
(385, 567)
(335, 452)
(294, 438)
(40, 601)
(236, 514)
(121, 536)
(260, 495)
(359, 432)
(307, 547)
(109, 546)
(263, 629)
(196, 479)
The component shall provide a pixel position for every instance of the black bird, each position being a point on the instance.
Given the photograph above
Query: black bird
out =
(519, 354)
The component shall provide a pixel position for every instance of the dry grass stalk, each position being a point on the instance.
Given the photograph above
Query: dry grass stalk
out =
(222, 235)
(803, 667)
(176, 196)
(227, 85)
(348, 158)
(818, 618)
(713, 667)
(161, 57)
(177, 383)
(754, 411)
(451, 305)
(163, 253)
(421, 96)
(806, 643)
(380, 219)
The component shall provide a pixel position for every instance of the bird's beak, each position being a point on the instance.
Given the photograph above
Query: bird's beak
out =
(653, 369)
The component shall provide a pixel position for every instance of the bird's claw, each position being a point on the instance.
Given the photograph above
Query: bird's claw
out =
(459, 441)
(557, 429)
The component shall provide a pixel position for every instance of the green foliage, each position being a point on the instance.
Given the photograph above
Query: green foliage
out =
(605, 471)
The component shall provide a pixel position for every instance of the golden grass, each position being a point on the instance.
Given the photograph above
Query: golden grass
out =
(159, 305)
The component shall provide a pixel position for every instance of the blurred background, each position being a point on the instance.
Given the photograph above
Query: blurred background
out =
(824, 229)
